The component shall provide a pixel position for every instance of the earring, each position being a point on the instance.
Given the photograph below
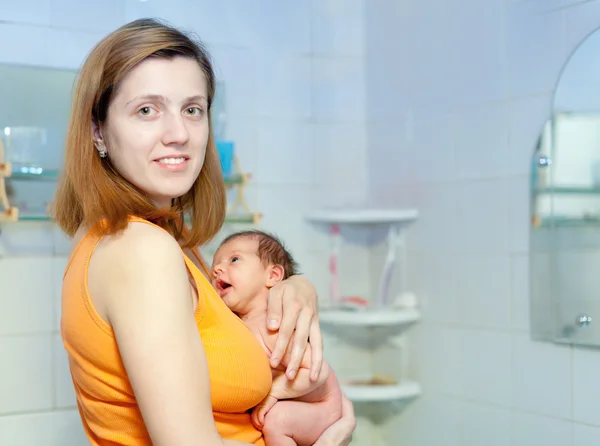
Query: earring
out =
(102, 153)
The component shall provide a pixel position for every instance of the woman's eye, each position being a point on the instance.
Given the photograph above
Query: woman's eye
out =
(145, 111)
(194, 111)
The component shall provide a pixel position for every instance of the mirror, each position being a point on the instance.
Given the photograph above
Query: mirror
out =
(565, 207)
(35, 104)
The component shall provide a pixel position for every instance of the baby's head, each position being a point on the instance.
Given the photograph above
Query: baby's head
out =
(246, 265)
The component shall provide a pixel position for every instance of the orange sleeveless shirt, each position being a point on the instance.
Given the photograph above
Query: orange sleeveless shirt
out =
(240, 375)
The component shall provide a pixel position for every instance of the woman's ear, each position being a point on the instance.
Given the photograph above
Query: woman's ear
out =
(276, 273)
(99, 143)
(97, 135)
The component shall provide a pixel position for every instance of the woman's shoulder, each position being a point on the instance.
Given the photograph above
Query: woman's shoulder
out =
(137, 247)
(138, 267)
(140, 237)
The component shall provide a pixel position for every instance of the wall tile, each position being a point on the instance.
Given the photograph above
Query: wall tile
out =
(339, 154)
(240, 92)
(25, 373)
(283, 85)
(63, 384)
(530, 35)
(105, 16)
(27, 239)
(435, 358)
(519, 305)
(586, 395)
(484, 425)
(482, 140)
(484, 358)
(281, 26)
(414, 426)
(482, 214)
(531, 429)
(434, 151)
(438, 298)
(175, 12)
(338, 89)
(59, 428)
(483, 290)
(20, 12)
(437, 204)
(27, 306)
(338, 27)
(519, 213)
(286, 152)
(47, 47)
(585, 434)
(541, 377)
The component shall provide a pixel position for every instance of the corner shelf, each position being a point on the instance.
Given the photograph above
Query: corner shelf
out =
(391, 393)
(238, 213)
(369, 328)
(396, 219)
(363, 216)
(389, 317)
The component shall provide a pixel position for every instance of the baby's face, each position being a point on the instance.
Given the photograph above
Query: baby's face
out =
(238, 274)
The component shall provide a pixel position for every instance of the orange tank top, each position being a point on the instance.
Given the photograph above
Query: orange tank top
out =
(240, 375)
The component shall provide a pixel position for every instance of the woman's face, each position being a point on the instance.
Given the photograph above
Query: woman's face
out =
(157, 127)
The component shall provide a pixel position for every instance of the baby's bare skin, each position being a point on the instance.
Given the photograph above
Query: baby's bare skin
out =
(296, 411)
(293, 419)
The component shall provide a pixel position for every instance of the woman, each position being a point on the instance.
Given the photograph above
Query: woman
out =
(155, 356)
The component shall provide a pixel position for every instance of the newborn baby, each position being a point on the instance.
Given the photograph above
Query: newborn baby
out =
(244, 267)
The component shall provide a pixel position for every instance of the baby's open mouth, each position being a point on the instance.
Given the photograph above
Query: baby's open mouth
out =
(222, 287)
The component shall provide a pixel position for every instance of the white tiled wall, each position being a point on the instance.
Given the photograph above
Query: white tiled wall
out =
(295, 86)
(453, 119)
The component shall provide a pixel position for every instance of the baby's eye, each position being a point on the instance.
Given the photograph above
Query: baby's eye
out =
(234, 259)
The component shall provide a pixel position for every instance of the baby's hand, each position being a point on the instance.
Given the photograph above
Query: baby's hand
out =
(260, 412)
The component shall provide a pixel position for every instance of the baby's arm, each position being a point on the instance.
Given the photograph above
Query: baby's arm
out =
(283, 387)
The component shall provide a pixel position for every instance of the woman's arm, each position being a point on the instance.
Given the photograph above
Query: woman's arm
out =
(293, 310)
(340, 432)
(141, 279)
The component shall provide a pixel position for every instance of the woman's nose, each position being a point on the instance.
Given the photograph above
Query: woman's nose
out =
(176, 132)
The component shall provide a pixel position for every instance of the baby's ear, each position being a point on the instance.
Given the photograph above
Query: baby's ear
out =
(276, 273)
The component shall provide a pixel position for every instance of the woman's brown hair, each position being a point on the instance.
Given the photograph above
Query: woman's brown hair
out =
(90, 190)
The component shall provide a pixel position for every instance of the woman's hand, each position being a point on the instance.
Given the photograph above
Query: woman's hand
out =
(340, 432)
(292, 309)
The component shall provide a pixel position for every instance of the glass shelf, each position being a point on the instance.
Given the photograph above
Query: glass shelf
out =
(551, 222)
(231, 219)
(34, 217)
(568, 190)
(33, 174)
(41, 174)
